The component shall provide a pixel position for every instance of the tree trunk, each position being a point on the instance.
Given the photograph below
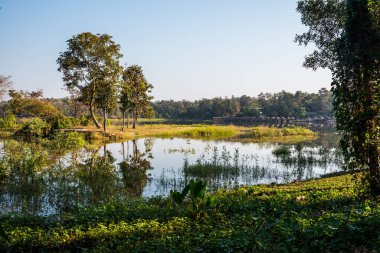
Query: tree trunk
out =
(134, 149)
(127, 119)
(105, 120)
(127, 149)
(374, 170)
(92, 107)
(123, 121)
(97, 124)
(123, 150)
(134, 120)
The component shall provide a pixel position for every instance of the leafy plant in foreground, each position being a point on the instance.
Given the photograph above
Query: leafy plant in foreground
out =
(197, 193)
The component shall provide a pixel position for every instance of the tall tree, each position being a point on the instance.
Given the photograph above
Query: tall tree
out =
(106, 98)
(139, 90)
(125, 101)
(89, 62)
(347, 35)
(356, 89)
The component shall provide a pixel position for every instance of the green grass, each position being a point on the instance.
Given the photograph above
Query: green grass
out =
(209, 170)
(314, 216)
(210, 132)
(262, 132)
(201, 131)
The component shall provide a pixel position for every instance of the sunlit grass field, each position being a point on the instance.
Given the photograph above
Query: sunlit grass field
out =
(201, 131)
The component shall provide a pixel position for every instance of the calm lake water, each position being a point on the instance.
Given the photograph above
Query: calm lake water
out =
(45, 184)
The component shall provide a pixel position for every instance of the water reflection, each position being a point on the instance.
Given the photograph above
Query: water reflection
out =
(21, 181)
(39, 181)
(226, 168)
(134, 168)
(31, 181)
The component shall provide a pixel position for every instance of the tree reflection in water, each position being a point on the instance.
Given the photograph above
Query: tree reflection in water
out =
(41, 180)
(134, 168)
(35, 180)
(21, 180)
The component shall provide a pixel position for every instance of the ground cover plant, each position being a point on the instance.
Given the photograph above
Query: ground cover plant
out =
(321, 215)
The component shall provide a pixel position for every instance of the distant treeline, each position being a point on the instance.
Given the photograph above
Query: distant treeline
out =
(282, 104)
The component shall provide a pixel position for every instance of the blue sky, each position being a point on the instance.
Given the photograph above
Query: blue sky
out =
(188, 49)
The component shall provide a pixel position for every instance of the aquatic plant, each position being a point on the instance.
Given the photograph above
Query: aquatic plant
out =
(281, 151)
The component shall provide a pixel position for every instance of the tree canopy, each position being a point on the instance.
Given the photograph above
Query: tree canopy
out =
(90, 62)
(347, 37)
(138, 89)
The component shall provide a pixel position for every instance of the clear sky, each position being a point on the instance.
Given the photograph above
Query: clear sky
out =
(188, 49)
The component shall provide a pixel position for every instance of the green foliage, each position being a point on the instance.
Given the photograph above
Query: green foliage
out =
(85, 120)
(196, 190)
(135, 91)
(61, 122)
(356, 89)
(30, 104)
(314, 216)
(325, 20)
(263, 132)
(62, 141)
(91, 68)
(134, 170)
(281, 104)
(209, 132)
(346, 34)
(179, 197)
(281, 151)
(34, 128)
(8, 121)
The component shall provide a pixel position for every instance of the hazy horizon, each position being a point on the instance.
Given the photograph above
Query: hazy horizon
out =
(188, 50)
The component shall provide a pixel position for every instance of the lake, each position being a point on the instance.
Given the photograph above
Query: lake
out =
(38, 182)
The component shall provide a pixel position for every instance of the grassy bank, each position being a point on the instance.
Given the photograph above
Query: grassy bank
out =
(314, 216)
(204, 132)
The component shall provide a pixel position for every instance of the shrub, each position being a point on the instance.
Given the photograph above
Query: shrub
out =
(84, 120)
(8, 121)
(61, 122)
(34, 128)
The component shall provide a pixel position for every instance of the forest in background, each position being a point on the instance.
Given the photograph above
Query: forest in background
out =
(281, 104)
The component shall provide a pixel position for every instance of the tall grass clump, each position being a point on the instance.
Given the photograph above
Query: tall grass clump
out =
(281, 151)
(263, 132)
(224, 164)
(210, 132)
